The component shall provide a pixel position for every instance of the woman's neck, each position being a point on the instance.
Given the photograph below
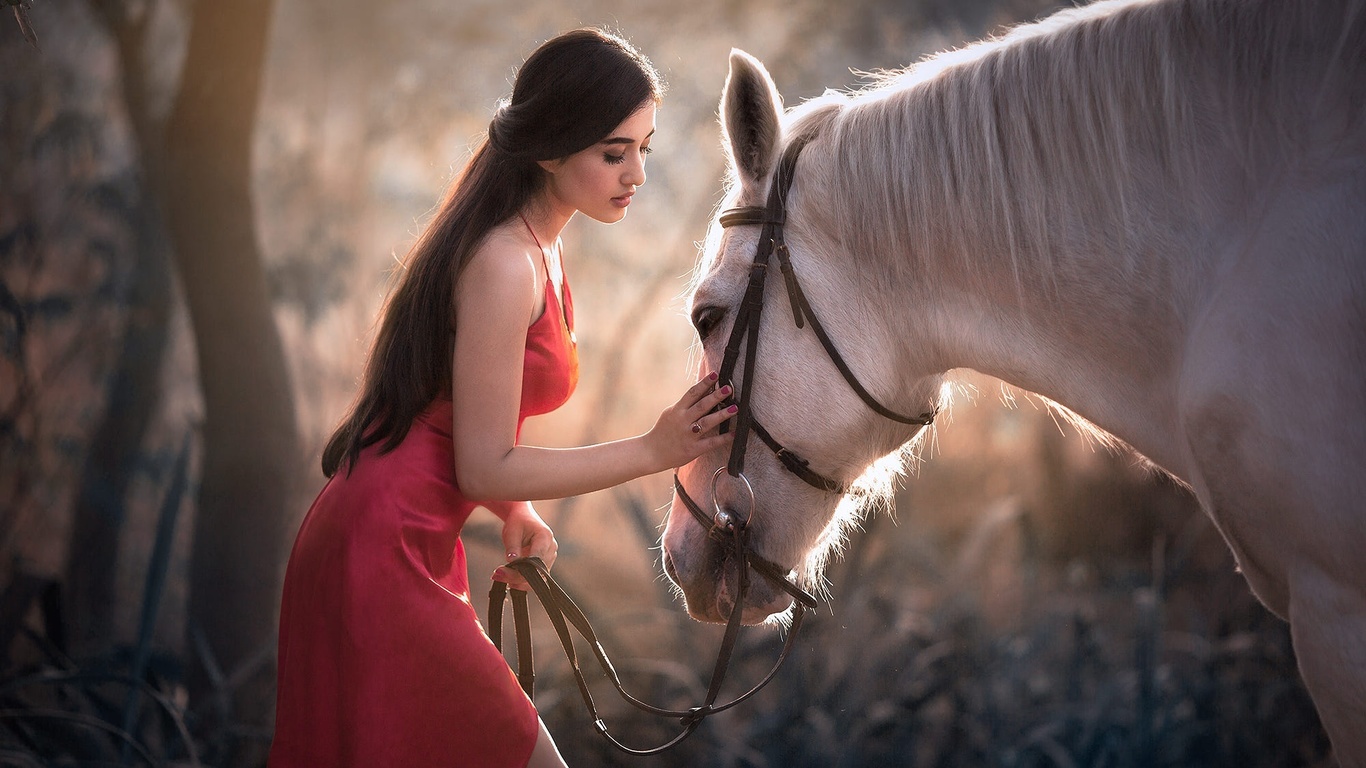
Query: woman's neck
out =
(545, 221)
(545, 228)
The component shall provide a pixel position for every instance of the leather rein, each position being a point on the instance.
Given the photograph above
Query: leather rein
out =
(724, 527)
(564, 613)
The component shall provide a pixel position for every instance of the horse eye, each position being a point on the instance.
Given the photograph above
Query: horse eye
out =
(704, 319)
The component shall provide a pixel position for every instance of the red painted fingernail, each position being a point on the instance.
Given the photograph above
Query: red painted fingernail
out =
(711, 376)
(733, 409)
(725, 390)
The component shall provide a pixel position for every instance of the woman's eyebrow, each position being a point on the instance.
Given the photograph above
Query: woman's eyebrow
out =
(625, 139)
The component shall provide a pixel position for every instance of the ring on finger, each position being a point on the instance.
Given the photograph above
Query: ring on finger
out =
(696, 428)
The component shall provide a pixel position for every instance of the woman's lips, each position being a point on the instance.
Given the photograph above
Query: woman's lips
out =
(623, 201)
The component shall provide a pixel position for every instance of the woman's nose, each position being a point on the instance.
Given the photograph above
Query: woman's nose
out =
(635, 175)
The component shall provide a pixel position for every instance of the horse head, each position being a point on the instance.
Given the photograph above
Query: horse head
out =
(817, 439)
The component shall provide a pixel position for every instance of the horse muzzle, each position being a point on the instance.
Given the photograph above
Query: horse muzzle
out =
(709, 581)
(703, 559)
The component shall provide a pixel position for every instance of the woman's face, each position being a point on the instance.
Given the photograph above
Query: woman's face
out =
(600, 180)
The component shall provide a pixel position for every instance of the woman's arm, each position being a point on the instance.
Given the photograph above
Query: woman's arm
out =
(497, 298)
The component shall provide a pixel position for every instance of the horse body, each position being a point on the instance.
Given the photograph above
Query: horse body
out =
(1151, 213)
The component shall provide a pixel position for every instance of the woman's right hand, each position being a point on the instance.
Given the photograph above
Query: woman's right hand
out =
(525, 534)
(688, 428)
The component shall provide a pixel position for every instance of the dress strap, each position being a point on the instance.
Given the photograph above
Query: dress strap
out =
(533, 234)
(544, 263)
(558, 284)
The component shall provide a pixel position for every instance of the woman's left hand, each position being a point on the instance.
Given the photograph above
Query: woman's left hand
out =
(525, 534)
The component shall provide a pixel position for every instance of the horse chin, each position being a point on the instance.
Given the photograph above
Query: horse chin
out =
(763, 602)
(709, 586)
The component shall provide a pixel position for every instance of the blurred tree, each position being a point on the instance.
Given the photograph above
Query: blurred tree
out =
(98, 514)
(67, 244)
(199, 164)
(251, 445)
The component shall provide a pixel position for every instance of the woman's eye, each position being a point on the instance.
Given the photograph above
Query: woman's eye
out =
(612, 159)
(704, 319)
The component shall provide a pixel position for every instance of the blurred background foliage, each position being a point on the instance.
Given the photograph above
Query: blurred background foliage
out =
(1035, 600)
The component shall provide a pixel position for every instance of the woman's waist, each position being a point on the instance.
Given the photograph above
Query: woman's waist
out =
(422, 464)
(412, 487)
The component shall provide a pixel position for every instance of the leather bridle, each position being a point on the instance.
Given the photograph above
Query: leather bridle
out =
(745, 332)
(724, 526)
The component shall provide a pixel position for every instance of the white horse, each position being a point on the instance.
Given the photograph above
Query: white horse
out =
(1152, 213)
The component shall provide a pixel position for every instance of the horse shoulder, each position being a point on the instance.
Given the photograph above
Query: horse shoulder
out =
(1271, 397)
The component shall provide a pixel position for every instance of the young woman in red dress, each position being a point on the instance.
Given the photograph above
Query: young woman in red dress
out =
(382, 659)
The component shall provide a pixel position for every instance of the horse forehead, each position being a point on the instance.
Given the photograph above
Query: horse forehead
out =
(723, 271)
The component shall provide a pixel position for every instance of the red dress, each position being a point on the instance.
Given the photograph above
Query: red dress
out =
(382, 659)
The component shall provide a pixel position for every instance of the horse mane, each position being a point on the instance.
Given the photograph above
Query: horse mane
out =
(1138, 86)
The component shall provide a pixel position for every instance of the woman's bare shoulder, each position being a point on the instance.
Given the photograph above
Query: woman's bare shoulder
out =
(501, 269)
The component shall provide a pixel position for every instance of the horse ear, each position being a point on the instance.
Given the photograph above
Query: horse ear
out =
(750, 106)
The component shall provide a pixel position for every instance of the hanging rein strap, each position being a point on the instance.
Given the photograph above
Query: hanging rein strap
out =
(564, 613)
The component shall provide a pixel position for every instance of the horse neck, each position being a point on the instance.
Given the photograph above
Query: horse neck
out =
(1089, 310)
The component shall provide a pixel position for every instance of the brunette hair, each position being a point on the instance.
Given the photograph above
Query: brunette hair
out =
(570, 93)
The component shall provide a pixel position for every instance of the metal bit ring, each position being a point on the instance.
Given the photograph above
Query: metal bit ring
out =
(723, 518)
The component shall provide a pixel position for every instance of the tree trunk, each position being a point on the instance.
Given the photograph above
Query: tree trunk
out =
(251, 445)
(100, 510)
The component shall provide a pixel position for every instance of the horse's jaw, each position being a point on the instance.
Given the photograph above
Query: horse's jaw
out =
(706, 573)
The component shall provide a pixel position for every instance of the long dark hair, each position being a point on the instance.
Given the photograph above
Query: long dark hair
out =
(569, 94)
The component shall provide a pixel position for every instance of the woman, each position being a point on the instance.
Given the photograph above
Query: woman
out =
(382, 661)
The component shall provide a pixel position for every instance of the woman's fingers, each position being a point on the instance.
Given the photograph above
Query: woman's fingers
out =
(696, 402)
(512, 578)
(706, 412)
(725, 414)
(704, 395)
(701, 388)
(711, 421)
(540, 543)
(716, 398)
(546, 549)
(525, 534)
(687, 429)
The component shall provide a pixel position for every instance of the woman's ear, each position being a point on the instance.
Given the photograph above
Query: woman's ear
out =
(551, 166)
